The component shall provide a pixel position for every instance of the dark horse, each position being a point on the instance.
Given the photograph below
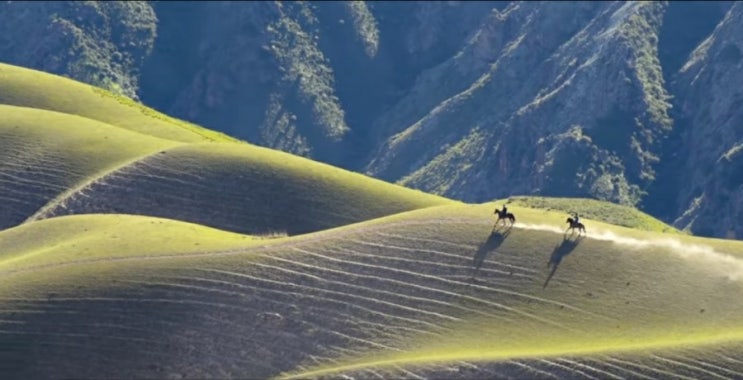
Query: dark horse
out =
(574, 225)
(503, 216)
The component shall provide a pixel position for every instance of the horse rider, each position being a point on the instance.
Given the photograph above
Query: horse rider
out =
(504, 211)
(577, 218)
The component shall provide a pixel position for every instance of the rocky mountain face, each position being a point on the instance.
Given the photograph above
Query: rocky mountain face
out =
(102, 43)
(308, 78)
(633, 102)
(710, 108)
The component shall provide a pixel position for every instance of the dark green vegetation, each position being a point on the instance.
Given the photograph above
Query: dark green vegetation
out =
(633, 103)
(101, 43)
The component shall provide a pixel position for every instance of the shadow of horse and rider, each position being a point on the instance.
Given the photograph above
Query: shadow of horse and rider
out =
(498, 235)
(502, 229)
(561, 250)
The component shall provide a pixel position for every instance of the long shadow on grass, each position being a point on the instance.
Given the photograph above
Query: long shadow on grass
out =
(496, 238)
(561, 250)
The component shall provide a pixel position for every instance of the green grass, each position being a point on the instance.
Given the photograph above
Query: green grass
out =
(599, 210)
(87, 236)
(90, 145)
(35, 89)
(46, 154)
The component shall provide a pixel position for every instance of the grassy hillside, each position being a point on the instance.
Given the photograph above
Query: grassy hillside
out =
(97, 237)
(243, 188)
(70, 148)
(44, 154)
(35, 89)
(431, 291)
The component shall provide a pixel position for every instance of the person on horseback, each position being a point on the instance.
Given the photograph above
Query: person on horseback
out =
(577, 218)
(504, 215)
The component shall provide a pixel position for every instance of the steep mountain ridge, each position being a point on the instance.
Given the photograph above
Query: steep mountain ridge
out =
(569, 97)
(711, 176)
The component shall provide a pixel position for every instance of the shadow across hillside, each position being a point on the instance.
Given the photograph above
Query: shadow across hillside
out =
(561, 250)
(496, 238)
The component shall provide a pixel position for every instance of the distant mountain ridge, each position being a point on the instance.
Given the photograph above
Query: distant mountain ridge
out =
(633, 102)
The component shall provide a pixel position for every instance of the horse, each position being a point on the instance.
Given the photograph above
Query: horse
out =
(574, 225)
(503, 216)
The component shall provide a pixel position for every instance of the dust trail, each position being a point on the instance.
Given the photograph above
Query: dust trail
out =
(730, 265)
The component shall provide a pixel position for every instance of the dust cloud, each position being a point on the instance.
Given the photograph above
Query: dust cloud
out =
(705, 255)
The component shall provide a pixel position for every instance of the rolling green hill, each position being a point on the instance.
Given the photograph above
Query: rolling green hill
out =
(424, 293)
(70, 150)
(44, 154)
(244, 188)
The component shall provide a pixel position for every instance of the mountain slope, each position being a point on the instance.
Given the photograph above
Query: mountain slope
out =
(381, 298)
(306, 78)
(710, 178)
(583, 124)
(101, 43)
